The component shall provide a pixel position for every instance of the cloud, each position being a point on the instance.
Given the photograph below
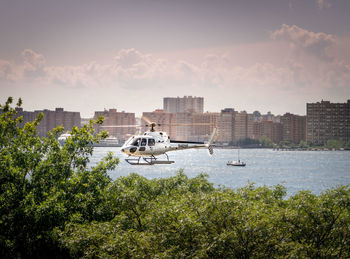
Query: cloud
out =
(308, 69)
(321, 4)
(7, 71)
(33, 60)
(128, 58)
(315, 44)
(316, 59)
(324, 4)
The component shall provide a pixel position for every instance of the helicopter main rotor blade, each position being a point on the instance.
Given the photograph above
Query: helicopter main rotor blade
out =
(188, 124)
(121, 126)
(146, 119)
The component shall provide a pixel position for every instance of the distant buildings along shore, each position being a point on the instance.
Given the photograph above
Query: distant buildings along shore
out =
(323, 121)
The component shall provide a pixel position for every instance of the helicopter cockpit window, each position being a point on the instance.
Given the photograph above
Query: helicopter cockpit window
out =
(136, 142)
(151, 142)
(144, 142)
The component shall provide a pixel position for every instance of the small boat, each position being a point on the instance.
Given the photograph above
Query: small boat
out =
(236, 163)
(108, 142)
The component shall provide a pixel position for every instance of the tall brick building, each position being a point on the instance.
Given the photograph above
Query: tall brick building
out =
(162, 118)
(114, 118)
(326, 120)
(51, 119)
(226, 125)
(183, 104)
(243, 127)
(294, 128)
(204, 124)
(270, 129)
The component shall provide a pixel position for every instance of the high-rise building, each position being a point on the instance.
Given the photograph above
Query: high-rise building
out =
(185, 126)
(243, 126)
(270, 117)
(226, 124)
(326, 120)
(51, 119)
(114, 118)
(26, 115)
(183, 104)
(270, 129)
(294, 128)
(203, 125)
(183, 132)
(234, 126)
(164, 119)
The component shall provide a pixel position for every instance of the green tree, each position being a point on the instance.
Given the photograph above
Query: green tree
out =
(347, 145)
(285, 144)
(335, 143)
(265, 142)
(43, 185)
(318, 225)
(303, 144)
(189, 218)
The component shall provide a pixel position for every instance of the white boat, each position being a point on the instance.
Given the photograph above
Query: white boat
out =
(236, 163)
(108, 142)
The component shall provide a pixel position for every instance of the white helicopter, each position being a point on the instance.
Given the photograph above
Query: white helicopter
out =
(154, 143)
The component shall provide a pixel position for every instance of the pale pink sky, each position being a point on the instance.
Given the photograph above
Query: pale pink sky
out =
(273, 55)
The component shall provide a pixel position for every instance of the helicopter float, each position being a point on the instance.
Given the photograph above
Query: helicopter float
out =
(154, 143)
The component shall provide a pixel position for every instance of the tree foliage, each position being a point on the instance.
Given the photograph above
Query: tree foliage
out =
(335, 143)
(43, 185)
(181, 217)
(54, 205)
(265, 142)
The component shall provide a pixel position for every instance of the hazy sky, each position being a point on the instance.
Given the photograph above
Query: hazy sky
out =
(87, 55)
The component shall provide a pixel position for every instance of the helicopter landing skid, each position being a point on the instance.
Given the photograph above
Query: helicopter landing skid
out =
(152, 160)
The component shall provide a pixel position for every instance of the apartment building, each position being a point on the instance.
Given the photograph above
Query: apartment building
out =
(203, 125)
(226, 124)
(183, 104)
(164, 119)
(114, 118)
(243, 126)
(294, 128)
(183, 132)
(51, 119)
(326, 120)
(270, 129)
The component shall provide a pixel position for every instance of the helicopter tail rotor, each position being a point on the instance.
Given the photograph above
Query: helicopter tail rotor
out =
(211, 141)
(211, 150)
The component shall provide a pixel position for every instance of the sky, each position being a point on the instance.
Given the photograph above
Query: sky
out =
(90, 55)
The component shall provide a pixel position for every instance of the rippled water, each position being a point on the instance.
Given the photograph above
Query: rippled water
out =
(296, 170)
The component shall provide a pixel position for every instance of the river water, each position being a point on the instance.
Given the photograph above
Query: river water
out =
(316, 171)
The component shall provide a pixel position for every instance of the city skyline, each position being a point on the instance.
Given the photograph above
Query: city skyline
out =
(249, 55)
(105, 109)
(324, 121)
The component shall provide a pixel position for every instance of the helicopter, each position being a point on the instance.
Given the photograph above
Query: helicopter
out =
(152, 144)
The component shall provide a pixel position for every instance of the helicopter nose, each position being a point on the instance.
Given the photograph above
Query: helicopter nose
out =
(128, 150)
